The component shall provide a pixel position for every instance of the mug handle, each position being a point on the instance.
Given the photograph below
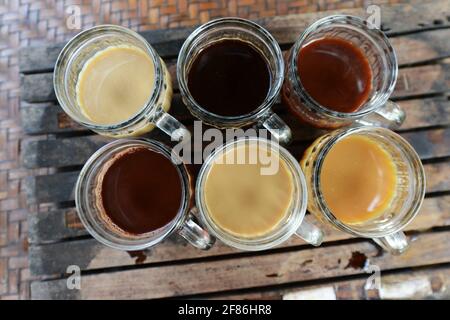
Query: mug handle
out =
(171, 126)
(310, 233)
(395, 243)
(195, 234)
(390, 116)
(277, 127)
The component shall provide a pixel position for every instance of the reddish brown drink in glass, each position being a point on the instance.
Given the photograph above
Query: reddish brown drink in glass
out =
(335, 74)
(342, 70)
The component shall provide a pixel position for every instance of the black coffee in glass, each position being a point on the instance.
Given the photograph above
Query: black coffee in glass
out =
(229, 78)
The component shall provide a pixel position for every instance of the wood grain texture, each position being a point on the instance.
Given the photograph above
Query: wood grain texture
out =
(428, 80)
(395, 19)
(432, 283)
(421, 46)
(261, 270)
(42, 118)
(427, 112)
(52, 226)
(430, 144)
(61, 152)
(89, 254)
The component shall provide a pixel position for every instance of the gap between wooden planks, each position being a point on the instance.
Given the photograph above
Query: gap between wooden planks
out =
(88, 254)
(245, 272)
(426, 283)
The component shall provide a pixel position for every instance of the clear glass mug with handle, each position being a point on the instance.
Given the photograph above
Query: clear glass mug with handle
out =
(378, 110)
(385, 229)
(261, 40)
(77, 52)
(184, 223)
(292, 223)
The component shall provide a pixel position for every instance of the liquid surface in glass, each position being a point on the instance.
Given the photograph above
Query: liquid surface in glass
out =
(115, 84)
(229, 78)
(358, 179)
(138, 191)
(335, 73)
(244, 202)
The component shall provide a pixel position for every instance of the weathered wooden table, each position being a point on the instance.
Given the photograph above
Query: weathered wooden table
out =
(339, 268)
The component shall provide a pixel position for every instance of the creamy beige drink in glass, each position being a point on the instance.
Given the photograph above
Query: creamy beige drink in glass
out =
(242, 200)
(109, 79)
(115, 83)
(251, 194)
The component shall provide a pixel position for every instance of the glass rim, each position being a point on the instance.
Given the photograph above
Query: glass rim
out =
(319, 198)
(282, 232)
(66, 53)
(356, 22)
(144, 243)
(272, 94)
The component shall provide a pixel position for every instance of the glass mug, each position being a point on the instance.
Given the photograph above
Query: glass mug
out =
(292, 223)
(377, 110)
(409, 193)
(84, 46)
(260, 39)
(184, 223)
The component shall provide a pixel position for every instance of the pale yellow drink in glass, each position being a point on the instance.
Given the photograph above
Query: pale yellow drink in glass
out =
(116, 83)
(243, 201)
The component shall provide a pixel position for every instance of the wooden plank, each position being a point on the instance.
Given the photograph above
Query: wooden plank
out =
(422, 46)
(428, 112)
(49, 117)
(423, 80)
(244, 272)
(60, 152)
(396, 19)
(51, 226)
(89, 254)
(51, 188)
(37, 87)
(431, 283)
(420, 114)
(437, 176)
(42, 118)
(430, 143)
(58, 187)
